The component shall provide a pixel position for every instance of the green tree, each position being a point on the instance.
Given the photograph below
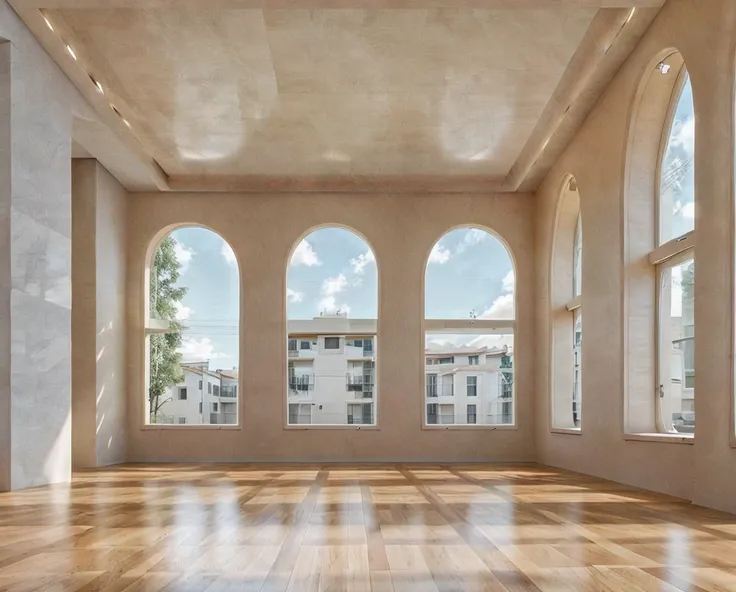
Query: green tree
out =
(165, 370)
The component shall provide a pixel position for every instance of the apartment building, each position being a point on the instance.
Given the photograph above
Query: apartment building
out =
(203, 397)
(331, 371)
(466, 385)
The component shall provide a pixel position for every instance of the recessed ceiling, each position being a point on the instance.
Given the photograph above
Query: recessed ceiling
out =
(213, 94)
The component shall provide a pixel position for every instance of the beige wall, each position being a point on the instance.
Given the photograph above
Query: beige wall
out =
(401, 229)
(98, 315)
(704, 471)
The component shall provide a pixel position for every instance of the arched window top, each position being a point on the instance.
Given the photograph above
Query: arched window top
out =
(332, 270)
(193, 329)
(677, 170)
(470, 274)
(577, 271)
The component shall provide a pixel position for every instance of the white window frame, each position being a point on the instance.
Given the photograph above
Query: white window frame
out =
(575, 307)
(664, 257)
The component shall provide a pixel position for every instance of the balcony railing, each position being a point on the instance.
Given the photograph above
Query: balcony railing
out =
(229, 391)
(301, 383)
(440, 390)
(360, 382)
(293, 353)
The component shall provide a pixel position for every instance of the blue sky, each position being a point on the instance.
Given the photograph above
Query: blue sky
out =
(333, 269)
(678, 171)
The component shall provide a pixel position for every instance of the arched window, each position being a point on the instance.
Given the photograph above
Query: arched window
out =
(674, 261)
(566, 290)
(659, 255)
(469, 331)
(332, 322)
(193, 317)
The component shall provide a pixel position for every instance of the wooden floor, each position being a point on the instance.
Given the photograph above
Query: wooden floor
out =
(389, 527)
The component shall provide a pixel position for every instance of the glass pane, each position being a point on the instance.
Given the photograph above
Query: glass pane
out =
(577, 353)
(193, 372)
(461, 392)
(677, 182)
(469, 274)
(332, 305)
(577, 272)
(677, 348)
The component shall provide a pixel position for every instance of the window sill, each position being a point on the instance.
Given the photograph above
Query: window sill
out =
(568, 431)
(468, 427)
(190, 426)
(352, 428)
(665, 438)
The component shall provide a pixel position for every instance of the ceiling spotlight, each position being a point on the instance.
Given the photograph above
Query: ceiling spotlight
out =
(48, 22)
(70, 51)
(97, 83)
(663, 68)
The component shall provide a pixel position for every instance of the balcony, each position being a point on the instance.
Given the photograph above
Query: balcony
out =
(230, 392)
(440, 390)
(301, 384)
(360, 383)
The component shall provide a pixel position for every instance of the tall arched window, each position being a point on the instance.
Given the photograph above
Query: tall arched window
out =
(332, 321)
(469, 331)
(192, 330)
(659, 263)
(566, 290)
(674, 261)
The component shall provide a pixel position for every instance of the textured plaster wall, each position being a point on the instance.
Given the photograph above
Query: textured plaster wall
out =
(98, 315)
(262, 230)
(703, 471)
(37, 108)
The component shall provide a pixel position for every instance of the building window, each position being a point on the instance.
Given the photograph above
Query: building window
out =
(182, 393)
(332, 343)
(674, 263)
(332, 313)
(215, 407)
(471, 386)
(200, 407)
(469, 315)
(566, 298)
(216, 390)
(189, 318)
(472, 418)
(182, 420)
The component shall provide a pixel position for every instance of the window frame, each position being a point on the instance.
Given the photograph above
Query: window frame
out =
(151, 326)
(666, 255)
(469, 326)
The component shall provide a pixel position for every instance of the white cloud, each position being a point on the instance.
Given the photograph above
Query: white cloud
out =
(183, 255)
(330, 287)
(439, 254)
(361, 261)
(193, 349)
(228, 254)
(503, 306)
(304, 255)
(334, 285)
(472, 237)
(182, 312)
(684, 136)
(508, 284)
(294, 296)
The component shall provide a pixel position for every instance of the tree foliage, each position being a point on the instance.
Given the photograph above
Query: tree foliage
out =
(165, 370)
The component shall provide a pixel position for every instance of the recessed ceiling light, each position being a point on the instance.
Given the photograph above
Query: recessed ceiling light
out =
(48, 22)
(126, 122)
(631, 15)
(70, 51)
(663, 68)
(97, 83)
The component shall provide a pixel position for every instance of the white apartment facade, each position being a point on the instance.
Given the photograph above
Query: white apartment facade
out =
(332, 377)
(469, 386)
(202, 397)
